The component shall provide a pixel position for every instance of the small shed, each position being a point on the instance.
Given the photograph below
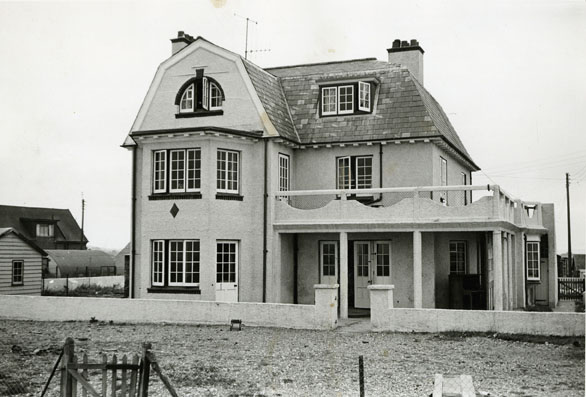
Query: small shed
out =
(81, 263)
(21, 264)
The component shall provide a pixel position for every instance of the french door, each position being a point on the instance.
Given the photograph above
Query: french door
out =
(372, 265)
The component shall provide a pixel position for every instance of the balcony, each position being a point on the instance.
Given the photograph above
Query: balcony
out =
(405, 207)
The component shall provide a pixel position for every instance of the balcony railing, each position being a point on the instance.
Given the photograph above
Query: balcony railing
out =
(426, 201)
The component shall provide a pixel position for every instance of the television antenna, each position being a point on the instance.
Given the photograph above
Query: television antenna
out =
(246, 50)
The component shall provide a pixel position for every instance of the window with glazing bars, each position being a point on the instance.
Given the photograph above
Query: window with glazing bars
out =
(355, 172)
(532, 260)
(226, 259)
(227, 171)
(458, 257)
(328, 257)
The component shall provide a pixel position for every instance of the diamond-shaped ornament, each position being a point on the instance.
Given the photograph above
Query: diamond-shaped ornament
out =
(174, 210)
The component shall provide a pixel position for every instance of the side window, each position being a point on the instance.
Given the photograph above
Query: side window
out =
(354, 172)
(184, 167)
(458, 257)
(17, 272)
(533, 260)
(284, 173)
(228, 169)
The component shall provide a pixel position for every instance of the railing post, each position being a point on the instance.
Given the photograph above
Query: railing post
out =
(343, 196)
(496, 197)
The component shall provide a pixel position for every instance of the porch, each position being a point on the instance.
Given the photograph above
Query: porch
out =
(436, 245)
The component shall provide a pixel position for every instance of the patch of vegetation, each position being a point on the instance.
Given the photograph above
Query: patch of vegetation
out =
(91, 290)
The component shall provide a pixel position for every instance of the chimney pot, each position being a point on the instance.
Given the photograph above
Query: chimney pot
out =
(180, 33)
(408, 54)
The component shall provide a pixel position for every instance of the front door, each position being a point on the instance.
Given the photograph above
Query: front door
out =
(361, 274)
(372, 265)
(227, 271)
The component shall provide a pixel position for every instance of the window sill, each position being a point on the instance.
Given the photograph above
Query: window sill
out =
(199, 113)
(174, 290)
(229, 196)
(534, 280)
(175, 196)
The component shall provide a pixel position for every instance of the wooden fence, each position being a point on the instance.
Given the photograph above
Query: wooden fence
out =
(570, 288)
(128, 377)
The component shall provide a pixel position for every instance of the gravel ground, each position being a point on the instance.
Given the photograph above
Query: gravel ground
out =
(211, 361)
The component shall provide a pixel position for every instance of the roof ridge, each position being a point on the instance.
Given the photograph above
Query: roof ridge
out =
(334, 73)
(256, 66)
(36, 208)
(321, 63)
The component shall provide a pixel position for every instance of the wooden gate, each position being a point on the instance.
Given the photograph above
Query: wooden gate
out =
(570, 288)
(128, 377)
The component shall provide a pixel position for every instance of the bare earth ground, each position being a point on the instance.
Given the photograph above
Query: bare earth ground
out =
(211, 361)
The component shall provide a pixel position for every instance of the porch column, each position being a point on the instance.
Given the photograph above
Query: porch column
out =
(497, 260)
(343, 275)
(417, 271)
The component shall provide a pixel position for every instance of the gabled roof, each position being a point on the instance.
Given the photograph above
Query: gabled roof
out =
(9, 230)
(24, 219)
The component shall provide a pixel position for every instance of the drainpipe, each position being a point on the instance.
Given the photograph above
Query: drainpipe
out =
(264, 227)
(295, 268)
(133, 225)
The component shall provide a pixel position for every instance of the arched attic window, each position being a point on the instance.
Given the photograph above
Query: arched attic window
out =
(199, 96)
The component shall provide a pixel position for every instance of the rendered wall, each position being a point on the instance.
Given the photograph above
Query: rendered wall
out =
(207, 219)
(47, 308)
(239, 111)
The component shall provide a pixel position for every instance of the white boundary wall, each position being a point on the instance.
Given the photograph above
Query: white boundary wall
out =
(385, 318)
(322, 315)
(58, 284)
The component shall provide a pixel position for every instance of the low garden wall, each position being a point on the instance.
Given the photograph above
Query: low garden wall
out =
(322, 315)
(385, 318)
(58, 284)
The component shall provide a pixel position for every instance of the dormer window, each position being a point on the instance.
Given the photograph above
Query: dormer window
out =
(45, 230)
(341, 99)
(187, 101)
(199, 96)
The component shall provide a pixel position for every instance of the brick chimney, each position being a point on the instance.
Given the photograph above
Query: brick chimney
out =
(408, 54)
(182, 41)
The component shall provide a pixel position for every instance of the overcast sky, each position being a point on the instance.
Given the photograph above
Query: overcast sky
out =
(510, 75)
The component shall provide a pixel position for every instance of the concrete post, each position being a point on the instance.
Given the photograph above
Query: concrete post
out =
(417, 271)
(343, 275)
(326, 308)
(497, 259)
(381, 299)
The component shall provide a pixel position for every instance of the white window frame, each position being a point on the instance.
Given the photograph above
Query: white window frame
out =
(162, 171)
(458, 243)
(225, 174)
(322, 244)
(158, 263)
(215, 94)
(443, 180)
(364, 96)
(284, 173)
(190, 90)
(172, 164)
(45, 230)
(529, 260)
(183, 263)
(359, 183)
(223, 263)
(205, 93)
(196, 169)
(352, 172)
(20, 275)
(333, 93)
(345, 87)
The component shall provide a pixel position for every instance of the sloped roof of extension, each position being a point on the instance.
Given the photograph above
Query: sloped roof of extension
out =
(7, 230)
(72, 260)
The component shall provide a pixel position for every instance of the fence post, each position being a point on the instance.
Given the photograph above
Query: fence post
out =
(66, 378)
(145, 368)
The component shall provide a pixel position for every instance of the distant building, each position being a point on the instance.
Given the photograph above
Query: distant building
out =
(21, 264)
(81, 263)
(578, 267)
(122, 260)
(48, 228)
